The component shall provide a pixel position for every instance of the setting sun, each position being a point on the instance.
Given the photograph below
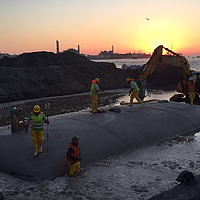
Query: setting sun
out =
(130, 27)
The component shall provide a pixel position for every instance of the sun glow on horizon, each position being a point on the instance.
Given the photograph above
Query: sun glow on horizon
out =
(97, 25)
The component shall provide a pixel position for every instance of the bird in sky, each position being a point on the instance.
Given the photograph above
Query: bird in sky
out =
(147, 18)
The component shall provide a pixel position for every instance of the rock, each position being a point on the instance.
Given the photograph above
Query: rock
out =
(187, 191)
(125, 67)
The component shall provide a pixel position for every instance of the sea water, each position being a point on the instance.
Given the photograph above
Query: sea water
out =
(194, 62)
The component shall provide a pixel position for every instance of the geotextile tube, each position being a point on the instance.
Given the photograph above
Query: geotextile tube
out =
(101, 135)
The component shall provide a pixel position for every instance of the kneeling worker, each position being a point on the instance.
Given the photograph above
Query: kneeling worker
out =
(93, 94)
(134, 91)
(73, 156)
(37, 119)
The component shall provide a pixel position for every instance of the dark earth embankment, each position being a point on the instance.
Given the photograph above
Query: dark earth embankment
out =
(45, 74)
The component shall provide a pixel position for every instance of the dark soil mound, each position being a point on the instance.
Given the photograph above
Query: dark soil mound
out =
(187, 191)
(42, 59)
(165, 75)
(45, 74)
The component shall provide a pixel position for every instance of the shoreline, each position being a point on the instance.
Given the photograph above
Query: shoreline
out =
(69, 103)
(60, 104)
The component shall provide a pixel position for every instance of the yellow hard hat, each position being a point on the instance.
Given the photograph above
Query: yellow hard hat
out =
(97, 79)
(36, 108)
(127, 80)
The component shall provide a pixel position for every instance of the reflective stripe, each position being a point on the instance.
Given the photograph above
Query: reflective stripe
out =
(75, 153)
(38, 127)
(37, 122)
(93, 91)
(135, 86)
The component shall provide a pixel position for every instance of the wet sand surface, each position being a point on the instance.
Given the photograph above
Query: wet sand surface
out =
(138, 174)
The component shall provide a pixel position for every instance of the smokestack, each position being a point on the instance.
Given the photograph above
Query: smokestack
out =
(78, 49)
(112, 49)
(57, 46)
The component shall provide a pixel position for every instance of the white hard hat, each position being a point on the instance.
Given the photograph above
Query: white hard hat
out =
(190, 78)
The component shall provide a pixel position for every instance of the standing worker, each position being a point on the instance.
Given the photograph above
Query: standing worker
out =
(73, 156)
(191, 90)
(133, 92)
(37, 119)
(93, 94)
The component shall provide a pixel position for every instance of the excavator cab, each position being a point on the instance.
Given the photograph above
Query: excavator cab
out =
(173, 59)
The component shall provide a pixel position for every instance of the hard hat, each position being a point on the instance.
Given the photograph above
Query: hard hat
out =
(127, 80)
(14, 110)
(97, 79)
(36, 108)
(75, 139)
(190, 78)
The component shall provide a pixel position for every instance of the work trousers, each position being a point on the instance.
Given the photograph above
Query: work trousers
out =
(37, 136)
(73, 168)
(94, 103)
(192, 97)
(135, 95)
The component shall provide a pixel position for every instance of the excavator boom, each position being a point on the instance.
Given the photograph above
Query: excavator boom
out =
(171, 58)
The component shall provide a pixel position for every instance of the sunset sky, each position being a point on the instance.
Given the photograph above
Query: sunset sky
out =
(96, 25)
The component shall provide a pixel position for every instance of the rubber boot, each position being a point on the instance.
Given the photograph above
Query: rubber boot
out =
(36, 149)
(95, 108)
(131, 102)
(40, 146)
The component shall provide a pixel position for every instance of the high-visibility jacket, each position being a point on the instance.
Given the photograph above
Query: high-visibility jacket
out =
(93, 90)
(75, 153)
(37, 122)
(191, 87)
(135, 86)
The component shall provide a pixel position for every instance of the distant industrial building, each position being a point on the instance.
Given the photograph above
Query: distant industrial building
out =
(106, 54)
(112, 55)
(7, 55)
(74, 50)
(57, 46)
(71, 49)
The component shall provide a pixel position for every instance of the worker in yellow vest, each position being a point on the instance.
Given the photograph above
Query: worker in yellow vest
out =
(134, 92)
(191, 89)
(37, 120)
(93, 94)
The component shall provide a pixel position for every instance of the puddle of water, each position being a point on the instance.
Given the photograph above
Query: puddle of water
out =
(156, 94)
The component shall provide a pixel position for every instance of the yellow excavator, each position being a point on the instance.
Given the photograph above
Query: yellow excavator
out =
(173, 59)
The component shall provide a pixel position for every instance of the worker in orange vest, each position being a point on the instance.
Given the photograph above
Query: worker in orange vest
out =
(73, 156)
(191, 89)
(93, 94)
